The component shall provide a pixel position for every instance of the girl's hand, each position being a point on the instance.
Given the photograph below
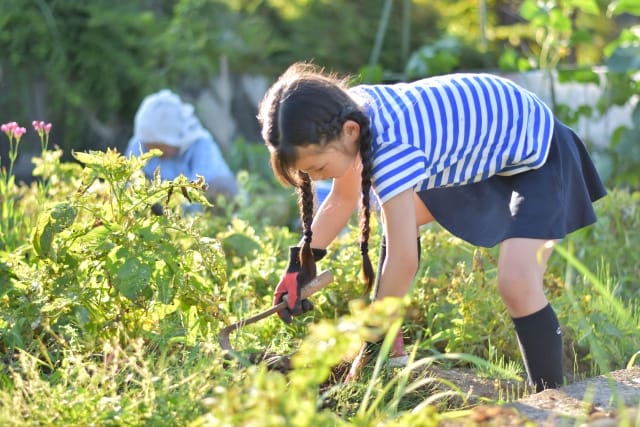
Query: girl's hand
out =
(289, 286)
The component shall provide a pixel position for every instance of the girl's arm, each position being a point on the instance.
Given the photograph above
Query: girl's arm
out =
(334, 214)
(401, 264)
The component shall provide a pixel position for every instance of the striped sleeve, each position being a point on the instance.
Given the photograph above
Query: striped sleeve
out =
(397, 167)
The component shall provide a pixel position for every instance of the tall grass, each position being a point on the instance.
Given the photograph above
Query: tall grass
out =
(154, 360)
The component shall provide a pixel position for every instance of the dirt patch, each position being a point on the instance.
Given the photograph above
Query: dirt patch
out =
(606, 400)
(610, 396)
(480, 389)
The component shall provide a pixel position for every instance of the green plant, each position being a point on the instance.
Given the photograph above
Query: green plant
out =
(105, 265)
(599, 318)
(623, 87)
(9, 218)
(109, 314)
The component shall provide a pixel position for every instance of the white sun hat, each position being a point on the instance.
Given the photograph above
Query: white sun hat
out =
(164, 118)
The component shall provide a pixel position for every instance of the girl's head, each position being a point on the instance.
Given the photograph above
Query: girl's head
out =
(315, 130)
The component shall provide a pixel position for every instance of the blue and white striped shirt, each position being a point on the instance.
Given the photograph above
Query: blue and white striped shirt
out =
(452, 130)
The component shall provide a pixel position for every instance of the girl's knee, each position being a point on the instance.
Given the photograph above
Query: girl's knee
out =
(521, 268)
(511, 279)
(521, 289)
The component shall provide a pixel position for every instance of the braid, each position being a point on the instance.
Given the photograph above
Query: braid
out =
(365, 214)
(306, 106)
(305, 203)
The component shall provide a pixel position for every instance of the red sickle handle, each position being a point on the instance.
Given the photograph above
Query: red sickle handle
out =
(317, 283)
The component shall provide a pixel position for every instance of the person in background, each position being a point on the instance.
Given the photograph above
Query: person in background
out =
(480, 155)
(164, 122)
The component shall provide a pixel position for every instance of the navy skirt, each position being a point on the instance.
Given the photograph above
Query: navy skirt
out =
(545, 203)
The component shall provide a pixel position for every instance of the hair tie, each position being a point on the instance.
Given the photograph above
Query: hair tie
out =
(307, 236)
(364, 247)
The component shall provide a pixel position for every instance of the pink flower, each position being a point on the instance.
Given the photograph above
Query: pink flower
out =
(41, 127)
(8, 128)
(12, 130)
(18, 132)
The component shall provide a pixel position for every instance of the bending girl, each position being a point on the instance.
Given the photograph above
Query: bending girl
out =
(481, 156)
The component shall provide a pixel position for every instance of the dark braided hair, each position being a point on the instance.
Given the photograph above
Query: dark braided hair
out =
(305, 203)
(306, 106)
(365, 215)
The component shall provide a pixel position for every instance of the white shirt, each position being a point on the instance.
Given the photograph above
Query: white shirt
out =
(453, 130)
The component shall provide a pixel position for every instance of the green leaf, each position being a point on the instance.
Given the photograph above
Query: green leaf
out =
(371, 75)
(559, 21)
(97, 237)
(529, 10)
(624, 59)
(131, 276)
(89, 159)
(586, 6)
(133, 279)
(628, 148)
(508, 60)
(625, 6)
(581, 36)
(57, 219)
(42, 238)
(62, 216)
(580, 76)
(150, 233)
(166, 292)
(239, 244)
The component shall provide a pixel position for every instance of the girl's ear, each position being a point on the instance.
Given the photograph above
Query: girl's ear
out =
(351, 129)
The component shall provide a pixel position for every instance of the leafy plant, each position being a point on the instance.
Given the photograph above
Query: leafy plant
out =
(109, 313)
(623, 87)
(105, 265)
(9, 218)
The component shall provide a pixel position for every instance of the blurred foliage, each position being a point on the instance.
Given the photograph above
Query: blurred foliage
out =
(96, 60)
(93, 59)
(87, 65)
(557, 32)
(566, 38)
(623, 88)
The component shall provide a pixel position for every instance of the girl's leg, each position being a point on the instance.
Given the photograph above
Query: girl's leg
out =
(521, 268)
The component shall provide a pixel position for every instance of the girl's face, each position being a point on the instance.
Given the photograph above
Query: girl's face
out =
(333, 159)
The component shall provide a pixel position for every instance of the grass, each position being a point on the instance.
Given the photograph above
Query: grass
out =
(63, 367)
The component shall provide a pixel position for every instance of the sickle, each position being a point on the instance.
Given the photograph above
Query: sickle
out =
(317, 283)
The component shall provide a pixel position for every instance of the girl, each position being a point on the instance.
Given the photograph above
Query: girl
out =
(474, 152)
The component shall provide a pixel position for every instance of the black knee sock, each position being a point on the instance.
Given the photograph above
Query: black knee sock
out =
(540, 342)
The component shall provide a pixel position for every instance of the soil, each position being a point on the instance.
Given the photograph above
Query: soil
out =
(603, 401)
